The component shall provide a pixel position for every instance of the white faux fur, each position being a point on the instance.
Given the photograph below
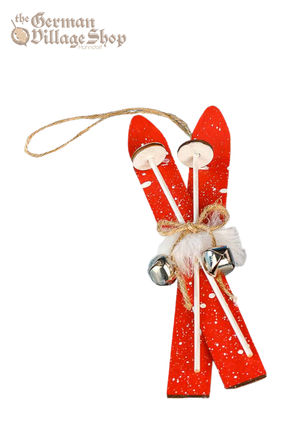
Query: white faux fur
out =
(193, 245)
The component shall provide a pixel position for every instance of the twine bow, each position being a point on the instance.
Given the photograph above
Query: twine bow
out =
(204, 224)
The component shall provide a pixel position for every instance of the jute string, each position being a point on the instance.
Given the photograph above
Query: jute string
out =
(94, 120)
(167, 228)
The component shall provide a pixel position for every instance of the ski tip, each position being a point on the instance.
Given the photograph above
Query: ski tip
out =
(212, 121)
(140, 131)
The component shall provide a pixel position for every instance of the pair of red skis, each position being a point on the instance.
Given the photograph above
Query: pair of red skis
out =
(219, 342)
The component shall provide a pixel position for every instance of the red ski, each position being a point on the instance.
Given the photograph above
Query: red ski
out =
(234, 367)
(183, 381)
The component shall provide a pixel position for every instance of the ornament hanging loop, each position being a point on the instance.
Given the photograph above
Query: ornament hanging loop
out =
(95, 119)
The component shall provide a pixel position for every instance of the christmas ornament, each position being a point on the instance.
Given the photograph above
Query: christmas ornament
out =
(197, 250)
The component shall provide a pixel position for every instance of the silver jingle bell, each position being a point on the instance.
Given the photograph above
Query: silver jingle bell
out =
(161, 271)
(218, 259)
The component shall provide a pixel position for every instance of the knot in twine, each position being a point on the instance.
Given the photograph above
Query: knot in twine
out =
(203, 224)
